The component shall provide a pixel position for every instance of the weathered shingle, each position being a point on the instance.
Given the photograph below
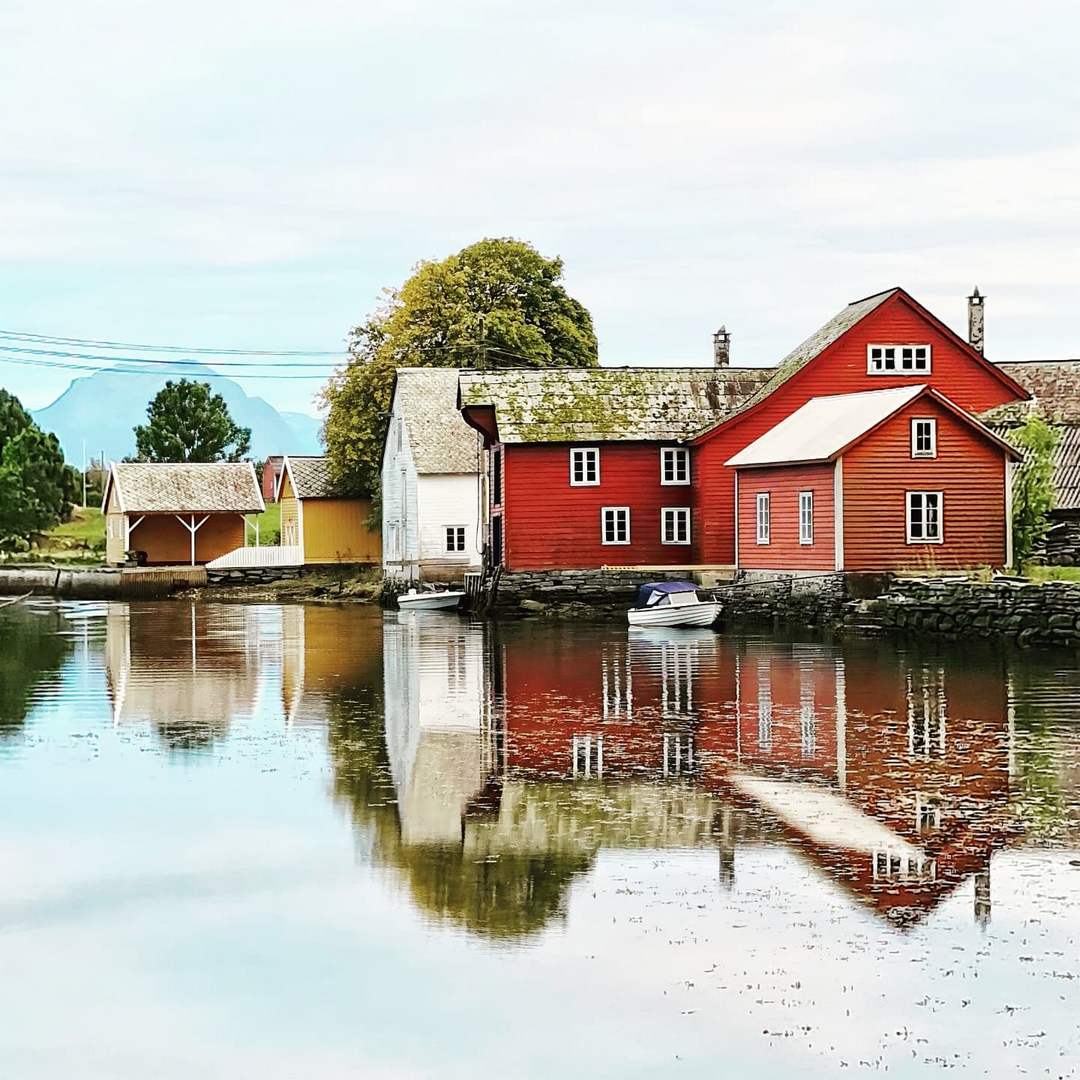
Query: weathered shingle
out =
(312, 478)
(608, 404)
(157, 487)
(440, 440)
(1054, 386)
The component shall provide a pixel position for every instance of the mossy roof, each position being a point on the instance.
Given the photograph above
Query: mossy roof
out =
(608, 404)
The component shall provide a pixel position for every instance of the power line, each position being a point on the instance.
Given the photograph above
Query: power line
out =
(62, 366)
(54, 339)
(67, 354)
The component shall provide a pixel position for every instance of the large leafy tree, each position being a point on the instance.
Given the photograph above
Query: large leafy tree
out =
(496, 303)
(37, 489)
(187, 421)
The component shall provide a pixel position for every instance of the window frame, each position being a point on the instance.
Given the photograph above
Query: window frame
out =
(899, 346)
(592, 453)
(676, 512)
(678, 453)
(920, 540)
(806, 536)
(456, 529)
(915, 451)
(604, 511)
(763, 536)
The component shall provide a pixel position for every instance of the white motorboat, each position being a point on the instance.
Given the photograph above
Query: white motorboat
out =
(429, 600)
(672, 603)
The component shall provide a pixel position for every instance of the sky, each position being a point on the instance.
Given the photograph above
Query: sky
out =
(238, 174)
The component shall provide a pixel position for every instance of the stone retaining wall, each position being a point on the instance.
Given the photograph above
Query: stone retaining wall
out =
(253, 575)
(1062, 545)
(803, 600)
(1029, 613)
(581, 593)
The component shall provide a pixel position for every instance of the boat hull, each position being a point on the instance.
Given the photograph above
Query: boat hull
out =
(702, 614)
(435, 601)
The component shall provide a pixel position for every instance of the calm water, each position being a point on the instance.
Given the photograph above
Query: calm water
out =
(289, 841)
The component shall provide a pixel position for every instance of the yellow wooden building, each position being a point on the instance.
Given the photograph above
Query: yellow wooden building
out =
(316, 516)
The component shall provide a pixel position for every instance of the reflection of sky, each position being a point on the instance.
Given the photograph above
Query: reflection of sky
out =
(165, 914)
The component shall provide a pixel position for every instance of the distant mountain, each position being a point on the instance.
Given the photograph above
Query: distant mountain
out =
(104, 408)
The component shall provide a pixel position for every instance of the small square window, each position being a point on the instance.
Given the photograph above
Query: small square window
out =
(674, 466)
(923, 437)
(455, 538)
(806, 517)
(584, 467)
(675, 525)
(615, 525)
(924, 517)
(763, 517)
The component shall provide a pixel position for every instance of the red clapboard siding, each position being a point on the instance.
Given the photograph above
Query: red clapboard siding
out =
(551, 525)
(784, 552)
(969, 470)
(840, 369)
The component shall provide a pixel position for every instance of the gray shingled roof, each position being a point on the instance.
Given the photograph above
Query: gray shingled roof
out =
(608, 404)
(440, 440)
(1054, 386)
(818, 342)
(312, 478)
(1067, 469)
(158, 487)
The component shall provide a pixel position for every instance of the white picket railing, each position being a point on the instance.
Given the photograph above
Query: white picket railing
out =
(284, 555)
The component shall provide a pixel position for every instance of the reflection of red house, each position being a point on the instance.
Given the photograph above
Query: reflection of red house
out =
(889, 774)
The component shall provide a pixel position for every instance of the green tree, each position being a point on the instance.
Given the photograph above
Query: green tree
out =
(496, 303)
(1033, 485)
(187, 421)
(37, 489)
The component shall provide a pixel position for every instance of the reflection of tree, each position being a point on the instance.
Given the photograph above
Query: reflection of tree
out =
(504, 896)
(30, 648)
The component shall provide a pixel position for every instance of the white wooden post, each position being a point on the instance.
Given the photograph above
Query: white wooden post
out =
(193, 529)
(129, 529)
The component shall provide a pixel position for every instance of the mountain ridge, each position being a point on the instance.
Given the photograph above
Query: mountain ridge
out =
(104, 408)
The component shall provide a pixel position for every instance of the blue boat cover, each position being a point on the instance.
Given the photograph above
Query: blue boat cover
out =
(650, 593)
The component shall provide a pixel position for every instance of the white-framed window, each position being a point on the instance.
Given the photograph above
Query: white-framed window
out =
(763, 517)
(678, 753)
(925, 512)
(584, 466)
(109, 527)
(587, 756)
(927, 814)
(923, 436)
(897, 359)
(806, 517)
(675, 525)
(455, 538)
(674, 465)
(615, 524)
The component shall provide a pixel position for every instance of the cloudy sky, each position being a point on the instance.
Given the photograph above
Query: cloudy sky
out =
(242, 174)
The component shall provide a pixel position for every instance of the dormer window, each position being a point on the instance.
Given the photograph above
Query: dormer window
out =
(898, 359)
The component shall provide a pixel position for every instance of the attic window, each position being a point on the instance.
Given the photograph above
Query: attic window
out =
(674, 466)
(897, 359)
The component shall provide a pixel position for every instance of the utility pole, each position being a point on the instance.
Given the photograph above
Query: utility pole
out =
(483, 345)
(84, 474)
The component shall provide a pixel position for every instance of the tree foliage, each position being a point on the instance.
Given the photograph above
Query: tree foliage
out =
(1033, 485)
(187, 421)
(37, 489)
(496, 303)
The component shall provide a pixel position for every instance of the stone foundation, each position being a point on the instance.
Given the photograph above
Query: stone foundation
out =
(1029, 613)
(253, 575)
(596, 594)
(774, 596)
(1062, 544)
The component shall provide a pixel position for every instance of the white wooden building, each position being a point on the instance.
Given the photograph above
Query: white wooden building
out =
(432, 480)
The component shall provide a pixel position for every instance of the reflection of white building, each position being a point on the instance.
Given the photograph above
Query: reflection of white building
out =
(195, 666)
(436, 722)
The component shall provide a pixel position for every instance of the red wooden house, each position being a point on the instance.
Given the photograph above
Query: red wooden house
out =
(879, 480)
(590, 467)
(883, 341)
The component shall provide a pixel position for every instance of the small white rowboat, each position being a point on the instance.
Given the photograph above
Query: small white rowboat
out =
(672, 603)
(429, 601)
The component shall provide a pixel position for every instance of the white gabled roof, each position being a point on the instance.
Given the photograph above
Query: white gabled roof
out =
(823, 426)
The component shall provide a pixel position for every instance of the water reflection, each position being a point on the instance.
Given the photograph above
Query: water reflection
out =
(32, 647)
(488, 766)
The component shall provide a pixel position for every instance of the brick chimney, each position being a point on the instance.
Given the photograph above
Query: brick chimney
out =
(721, 347)
(975, 320)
